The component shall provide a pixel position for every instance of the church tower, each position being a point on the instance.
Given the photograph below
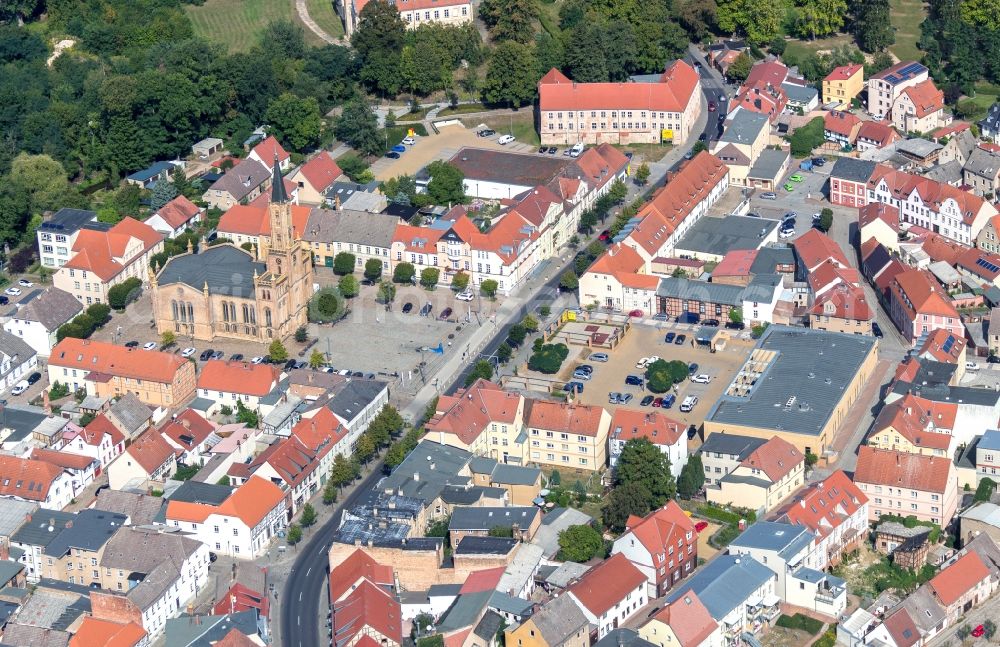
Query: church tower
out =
(289, 265)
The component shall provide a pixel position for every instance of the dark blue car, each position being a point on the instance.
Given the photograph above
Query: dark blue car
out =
(399, 148)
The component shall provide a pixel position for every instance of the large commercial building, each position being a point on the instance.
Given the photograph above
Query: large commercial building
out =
(620, 113)
(798, 384)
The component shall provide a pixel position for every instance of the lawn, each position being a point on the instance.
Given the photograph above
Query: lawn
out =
(237, 24)
(521, 125)
(797, 49)
(548, 16)
(321, 11)
(906, 16)
(462, 109)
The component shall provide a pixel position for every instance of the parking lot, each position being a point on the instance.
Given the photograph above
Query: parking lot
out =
(646, 340)
(805, 199)
(441, 146)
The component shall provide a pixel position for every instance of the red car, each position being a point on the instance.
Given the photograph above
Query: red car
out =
(635, 313)
(605, 236)
(701, 525)
(658, 402)
(712, 106)
(978, 631)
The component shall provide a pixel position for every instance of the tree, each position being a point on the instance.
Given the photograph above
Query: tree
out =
(248, 417)
(301, 335)
(500, 531)
(872, 28)
(358, 126)
(758, 20)
(985, 490)
(569, 281)
(167, 339)
(736, 315)
(343, 263)
(378, 42)
(482, 369)
(504, 353)
(548, 358)
(692, 477)
(825, 219)
(329, 493)
(580, 543)
(308, 517)
(277, 351)
(163, 192)
(403, 273)
(989, 629)
(446, 185)
(460, 282)
(818, 18)
(373, 270)
(386, 292)
(512, 76)
(326, 305)
(316, 359)
(516, 335)
(642, 174)
(625, 501)
(739, 70)
(661, 375)
(294, 534)
(296, 122)
(488, 288)
(41, 179)
(348, 286)
(429, 277)
(364, 449)
(642, 462)
(355, 168)
(807, 137)
(124, 293)
(342, 472)
(530, 323)
(510, 20)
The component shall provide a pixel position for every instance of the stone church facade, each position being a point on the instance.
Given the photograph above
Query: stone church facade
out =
(224, 291)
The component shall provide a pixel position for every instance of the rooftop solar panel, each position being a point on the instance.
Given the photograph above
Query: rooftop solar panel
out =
(948, 343)
(988, 266)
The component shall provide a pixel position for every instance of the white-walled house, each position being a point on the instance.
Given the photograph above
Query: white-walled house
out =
(663, 545)
(149, 459)
(667, 434)
(836, 511)
(26, 479)
(100, 439)
(242, 526)
(610, 593)
(37, 321)
(227, 382)
(17, 360)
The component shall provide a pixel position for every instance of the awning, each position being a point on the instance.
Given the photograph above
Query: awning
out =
(754, 601)
(771, 600)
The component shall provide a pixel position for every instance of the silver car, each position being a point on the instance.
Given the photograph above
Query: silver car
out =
(614, 397)
(598, 357)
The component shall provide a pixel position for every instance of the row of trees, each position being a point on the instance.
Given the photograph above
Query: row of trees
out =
(346, 470)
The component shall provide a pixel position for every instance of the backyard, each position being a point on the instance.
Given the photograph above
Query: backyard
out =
(237, 24)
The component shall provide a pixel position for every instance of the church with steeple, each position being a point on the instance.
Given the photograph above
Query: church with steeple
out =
(225, 291)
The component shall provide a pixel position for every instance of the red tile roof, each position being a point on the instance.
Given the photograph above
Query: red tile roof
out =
(880, 133)
(238, 377)
(956, 580)
(178, 211)
(873, 211)
(772, 72)
(359, 565)
(188, 429)
(903, 630)
(923, 295)
(578, 419)
(607, 584)
(823, 506)
(25, 478)
(467, 413)
(150, 450)
(814, 247)
(242, 598)
(925, 423)
(94, 432)
(688, 618)
(236, 638)
(843, 301)
(419, 240)
(662, 528)
(926, 97)
(482, 580)
(101, 357)
(104, 633)
(670, 94)
(735, 263)
(626, 266)
(254, 220)
(321, 432)
(63, 459)
(655, 426)
(250, 502)
(841, 123)
(268, 149)
(776, 458)
(321, 171)
(103, 252)
(935, 343)
(898, 469)
(844, 72)
(934, 194)
(368, 606)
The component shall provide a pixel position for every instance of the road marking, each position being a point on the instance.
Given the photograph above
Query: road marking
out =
(309, 571)
(299, 620)
(300, 593)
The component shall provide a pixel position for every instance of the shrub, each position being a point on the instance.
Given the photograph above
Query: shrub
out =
(661, 375)
(343, 263)
(808, 137)
(124, 293)
(800, 622)
(403, 273)
(327, 305)
(548, 359)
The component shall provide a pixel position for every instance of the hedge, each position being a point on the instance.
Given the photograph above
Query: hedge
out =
(801, 622)
(124, 293)
(548, 358)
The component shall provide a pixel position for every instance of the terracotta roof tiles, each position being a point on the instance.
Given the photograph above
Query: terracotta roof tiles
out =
(578, 419)
(101, 357)
(776, 458)
(250, 502)
(688, 618)
(956, 580)
(25, 478)
(238, 377)
(825, 505)
(150, 450)
(898, 469)
(670, 94)
(607, 584)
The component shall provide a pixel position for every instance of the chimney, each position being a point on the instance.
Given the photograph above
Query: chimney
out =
(336, 202)
(416, 476)
(69, 524)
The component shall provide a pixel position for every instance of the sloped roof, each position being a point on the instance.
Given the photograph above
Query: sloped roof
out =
(101, 357)
(321, 171)
(671, 94)
(357, 566)
(607, 584)
(94, 632)
(559, 619)
(926, 97)
(776, 458)
(922, 294)
(959, 578)
(178, 211)
(825, 505)
(250, 502)
(188, 429)
(150, 451)
(688, 618)
(576, 419)
(655, 426)
(52, 308)
(26, 478)
(899, 469)
(666, 526)
(98, 251)
(238, 377)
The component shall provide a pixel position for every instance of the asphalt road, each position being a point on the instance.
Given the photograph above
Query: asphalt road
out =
(303, 591)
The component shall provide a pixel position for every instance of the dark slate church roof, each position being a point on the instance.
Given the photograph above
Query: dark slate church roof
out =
(226, 269)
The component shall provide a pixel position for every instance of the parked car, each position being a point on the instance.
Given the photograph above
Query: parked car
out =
(635, 313)
(712, 106)
(552, 150)
(486, 132)
(34, 377)
(796, 177)
(407, 308)
(692, 368)
(598, 357)
(877, 331)
(4, 300)
(736, 325)
(581, 375)
(20, 387)
(573, 387)
(669, 338)
(25, 283)
(236, 357)
(700, 525)
(789, 187)
(668, 400)
(692, 432)
(789, 216)
(217, 355)
(445, 314)
(646, 401)
(392, 155)
(701, 378)
(399, 148)
(503, 140)
(425, 310)
(978, 631)
(689, 403)
(711, 322)
(634, 380)
(12, 292)
(680, 339)
(646, 361)
(625, 398)
(206, 355)
(768, 195)
(658, 402)
(688, 318)
(605, 235)
(258, 359)
(465, 295)
(188, 352)
(289, 365)
(819, 161)
(614, 397)
(586, 368)
(541, 151)
(149, 345)
(132, 344)
(409, 140)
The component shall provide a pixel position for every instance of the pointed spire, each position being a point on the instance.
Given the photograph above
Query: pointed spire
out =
(278, 195)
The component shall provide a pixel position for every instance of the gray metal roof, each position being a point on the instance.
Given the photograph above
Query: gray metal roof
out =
(918, 147)
(798, 93)
(207, 493)
(769, 163)
(719, 236)
(225, 268)
(185, 631)
(354, 396)
(855, 170)
(158, 556)
(744, 127)
(427, 470)
(473, 545)
(484, 518)
(42, 529)
(443, 590)
(762, 288)
(783, 538)
(16, 349)
(924, 608)
(770, 257)
(692, 290)
(983, 163)
(950, 172)
(13, 514)
(488, 626)
(67, 221)
(347, 226)
(242, 179)
(559, 619)
(803, 384)
(465, 611)
(52, 308)
(622, 637)
(515, 474)
(9, 570)
(482, 465)
(510, 604)
(470, 494)
(88, 530)
(725, 583)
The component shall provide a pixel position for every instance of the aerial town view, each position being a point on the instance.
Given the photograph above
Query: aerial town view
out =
(499, 323)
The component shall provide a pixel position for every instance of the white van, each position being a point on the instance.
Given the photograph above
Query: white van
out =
(971, 366)
(689, 403)
(576, 150)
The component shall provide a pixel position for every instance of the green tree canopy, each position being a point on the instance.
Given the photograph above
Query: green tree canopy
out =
(295, 121)
(429, 277)
(623, 502)
(642, 462)
(373, 270)
(378, 42)
(580, 544)
(348, 286)
(488, 288)
(661, 375)
(482, 369)
(446, 185)
(403, 273)
(358, 126)
(386, 292)
(343, 263)
(511, 79)
(277, 351)
(692, 477)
